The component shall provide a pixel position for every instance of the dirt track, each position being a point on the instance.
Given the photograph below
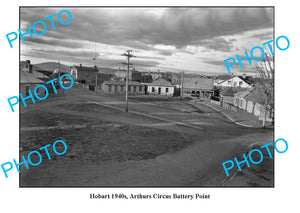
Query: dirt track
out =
(197, 163)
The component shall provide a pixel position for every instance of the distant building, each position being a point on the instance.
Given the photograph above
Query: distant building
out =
(236, 81)
(136, 75)
(28, 81)
(227, 96)
(160, 87)
(118, 87)
(252, 102)
(145, 78)
(201, 87)
(156, 75)
(26, 66)
(84, 74)
(121, 75)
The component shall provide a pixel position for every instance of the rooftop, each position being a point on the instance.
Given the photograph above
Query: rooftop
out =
(123, 83)
(28, 78)
(161, 82)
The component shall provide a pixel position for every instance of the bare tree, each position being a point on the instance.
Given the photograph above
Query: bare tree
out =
(265, 86)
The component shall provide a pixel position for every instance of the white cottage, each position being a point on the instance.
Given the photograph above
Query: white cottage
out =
(160, 87)
(236, 81)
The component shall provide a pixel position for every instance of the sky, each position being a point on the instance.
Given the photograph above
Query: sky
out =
(166, 39)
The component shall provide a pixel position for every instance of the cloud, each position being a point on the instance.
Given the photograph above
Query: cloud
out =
(178, 27)
(85, 57)
(215, 62)
(218, 44)
(267, 36)
(160, 36)
(165, 52)
(57, 42)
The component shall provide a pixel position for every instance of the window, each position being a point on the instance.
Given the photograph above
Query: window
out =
(240, 83)
(153, 89)
(116, 88)
(229, 82)
(134, 88)
(141, 88)
(167, 90)
(235, 84)
(109, 88)
(122, 88)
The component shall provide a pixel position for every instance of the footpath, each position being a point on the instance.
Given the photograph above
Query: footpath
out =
(240, 118)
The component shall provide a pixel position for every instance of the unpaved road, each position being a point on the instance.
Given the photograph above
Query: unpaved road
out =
(199, 164)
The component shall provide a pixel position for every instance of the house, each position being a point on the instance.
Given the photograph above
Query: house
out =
(160, 87)
(146, 78)
(121, 75)
(236, 81)
(156, 75)
(26, 66)
(241, 102)
(84, 74)
(28, 81)
(118, 87)
(135, 75)
(252, 102)
(200, 87)
(227, 96)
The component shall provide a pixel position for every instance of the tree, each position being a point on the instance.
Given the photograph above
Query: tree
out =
(265, 86)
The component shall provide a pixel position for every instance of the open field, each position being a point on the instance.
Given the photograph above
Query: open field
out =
(160, 142)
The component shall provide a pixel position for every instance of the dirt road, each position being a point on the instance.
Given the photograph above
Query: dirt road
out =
(186, 147)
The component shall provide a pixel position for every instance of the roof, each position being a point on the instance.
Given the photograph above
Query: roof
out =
(242, 94)
(255, 96)
(123, 83)
(241, 78)
(40, 75)
(82, 68)
(198, 83)
(28, 78)
(229, 92)
(161, 82)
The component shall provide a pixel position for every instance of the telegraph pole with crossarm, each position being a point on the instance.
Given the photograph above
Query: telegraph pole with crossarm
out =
(128, 54)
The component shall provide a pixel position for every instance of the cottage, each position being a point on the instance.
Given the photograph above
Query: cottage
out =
(84, 74)
(201, 87)
(118, 87)
(236, 81)
(227, 96)
(241, 102)
(43, 75)
(251, 101)
(28, 81)
(160, 87)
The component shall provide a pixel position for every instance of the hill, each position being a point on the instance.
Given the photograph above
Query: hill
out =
(50, 67)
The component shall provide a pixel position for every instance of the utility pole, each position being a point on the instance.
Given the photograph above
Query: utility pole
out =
(181, 88)
(128, 54)
(59, 74)
(95, 70)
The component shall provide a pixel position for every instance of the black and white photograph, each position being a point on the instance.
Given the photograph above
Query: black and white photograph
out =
(153, 106)
(145, 96)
